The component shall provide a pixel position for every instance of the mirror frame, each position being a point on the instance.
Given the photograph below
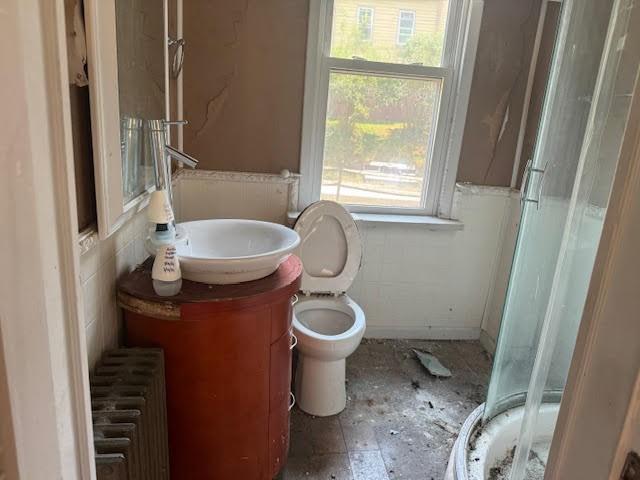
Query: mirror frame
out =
(100, 24)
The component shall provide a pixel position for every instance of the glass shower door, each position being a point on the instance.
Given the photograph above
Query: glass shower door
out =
(605, 132)
(546, 196)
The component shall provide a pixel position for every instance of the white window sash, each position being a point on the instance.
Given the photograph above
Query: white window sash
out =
(403, 30)
(459, 49)
(369, 27)
(398, 70)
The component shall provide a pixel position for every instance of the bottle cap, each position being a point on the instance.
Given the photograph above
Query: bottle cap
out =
(159, 208)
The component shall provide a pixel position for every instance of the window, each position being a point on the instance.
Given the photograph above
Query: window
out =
(406, 26)
(365, 23)
(379, 112)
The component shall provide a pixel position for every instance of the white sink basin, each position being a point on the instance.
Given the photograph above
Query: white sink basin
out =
(233, 251)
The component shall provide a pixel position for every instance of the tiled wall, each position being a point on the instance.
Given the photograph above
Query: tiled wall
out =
(100, 267)
(415, 282)
(420, 283)
(495, 303)
(203, 194)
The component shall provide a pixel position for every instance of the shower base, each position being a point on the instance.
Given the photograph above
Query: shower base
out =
(485, 452)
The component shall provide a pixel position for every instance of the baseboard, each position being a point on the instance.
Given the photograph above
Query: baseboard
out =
(423, 333)
(487, 342)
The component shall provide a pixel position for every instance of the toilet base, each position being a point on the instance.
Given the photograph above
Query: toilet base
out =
(320, 386)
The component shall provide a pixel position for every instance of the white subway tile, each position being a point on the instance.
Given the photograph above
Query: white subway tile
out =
(95, 343)
(91, 298)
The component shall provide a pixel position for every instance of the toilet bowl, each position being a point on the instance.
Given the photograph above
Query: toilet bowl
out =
(327, 323)
(328, 329)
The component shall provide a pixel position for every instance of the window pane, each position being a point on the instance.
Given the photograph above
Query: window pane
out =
(365, 23)
(406, 26)
(393, 31)
(377, 141)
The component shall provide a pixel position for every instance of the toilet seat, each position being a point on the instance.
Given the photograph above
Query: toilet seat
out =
(330, 327)
(328, 270)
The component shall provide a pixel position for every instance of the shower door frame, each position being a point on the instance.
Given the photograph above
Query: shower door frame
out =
(609, 328)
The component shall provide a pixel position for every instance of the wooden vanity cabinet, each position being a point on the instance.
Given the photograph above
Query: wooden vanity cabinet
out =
(228, 370)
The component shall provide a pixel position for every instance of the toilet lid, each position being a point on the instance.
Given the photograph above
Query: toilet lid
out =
(330, 248)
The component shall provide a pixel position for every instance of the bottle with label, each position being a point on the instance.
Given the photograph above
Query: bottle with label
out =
(166, 274)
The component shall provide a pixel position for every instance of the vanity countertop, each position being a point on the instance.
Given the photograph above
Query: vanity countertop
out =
(136, 294)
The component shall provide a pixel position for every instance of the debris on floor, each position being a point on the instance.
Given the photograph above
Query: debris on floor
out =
(400, 422)
(432, 364)
(446, 427)
(534, 471)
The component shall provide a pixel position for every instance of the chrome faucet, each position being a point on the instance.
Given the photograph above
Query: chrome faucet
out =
(182, 157)
(162, 153)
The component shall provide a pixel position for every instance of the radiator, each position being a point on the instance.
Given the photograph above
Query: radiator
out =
(130, 415)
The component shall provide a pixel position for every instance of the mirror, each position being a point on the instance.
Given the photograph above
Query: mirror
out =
(141, 88)
(128, 82)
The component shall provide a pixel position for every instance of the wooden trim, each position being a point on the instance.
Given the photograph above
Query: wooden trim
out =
(42, 329)
(69, 259)
(160, 311)
(100, 22)
(461, 85)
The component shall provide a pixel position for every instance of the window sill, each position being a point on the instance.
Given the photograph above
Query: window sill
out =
(423, 221)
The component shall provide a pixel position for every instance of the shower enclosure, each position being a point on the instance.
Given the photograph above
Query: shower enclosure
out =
(565, 194)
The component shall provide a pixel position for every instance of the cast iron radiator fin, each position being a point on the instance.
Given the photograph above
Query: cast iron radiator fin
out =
(130, 415)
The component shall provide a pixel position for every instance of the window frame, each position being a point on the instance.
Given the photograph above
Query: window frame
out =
(458, 60)
(413, 25)
(362, 8)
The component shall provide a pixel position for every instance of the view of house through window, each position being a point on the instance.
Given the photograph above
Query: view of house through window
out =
(406, 25)
(381, 121)
(365, 23)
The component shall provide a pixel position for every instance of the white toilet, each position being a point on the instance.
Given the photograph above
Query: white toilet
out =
(327, 323)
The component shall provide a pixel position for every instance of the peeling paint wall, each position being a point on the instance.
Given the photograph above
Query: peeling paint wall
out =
(80, 118)
(244, 83)
(498, 90)
(543, 68)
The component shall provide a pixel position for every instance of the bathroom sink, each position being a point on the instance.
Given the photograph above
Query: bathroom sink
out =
(233, 251)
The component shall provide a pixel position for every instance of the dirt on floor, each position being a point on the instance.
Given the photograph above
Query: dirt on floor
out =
(400, 422)
(535, 467)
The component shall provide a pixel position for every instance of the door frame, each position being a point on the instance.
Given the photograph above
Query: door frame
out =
(42, 335)
(603, 390)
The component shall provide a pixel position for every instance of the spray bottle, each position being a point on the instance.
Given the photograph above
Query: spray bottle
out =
(166, 274)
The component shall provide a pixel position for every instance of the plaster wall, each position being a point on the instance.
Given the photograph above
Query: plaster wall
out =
(201, 194)
(415, 282)
(244, 85)
(495, 301)
(497, 94)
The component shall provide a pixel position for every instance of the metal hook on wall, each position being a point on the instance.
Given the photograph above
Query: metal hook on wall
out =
(178, 55)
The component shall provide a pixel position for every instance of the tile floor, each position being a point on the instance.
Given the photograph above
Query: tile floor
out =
(399, 422)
